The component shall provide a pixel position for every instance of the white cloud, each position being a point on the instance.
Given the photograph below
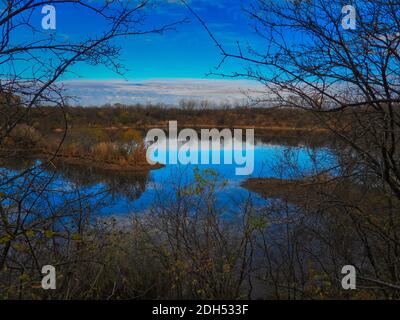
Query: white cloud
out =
(168, 91)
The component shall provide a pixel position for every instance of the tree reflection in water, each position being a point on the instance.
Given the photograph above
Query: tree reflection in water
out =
(126, 183)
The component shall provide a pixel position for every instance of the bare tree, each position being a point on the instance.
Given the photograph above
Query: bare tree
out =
(31, 67)
(349, 80)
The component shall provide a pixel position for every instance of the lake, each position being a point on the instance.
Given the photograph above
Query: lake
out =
(119, 193)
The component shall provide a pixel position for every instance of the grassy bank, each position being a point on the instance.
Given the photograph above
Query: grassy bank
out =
(123, 150)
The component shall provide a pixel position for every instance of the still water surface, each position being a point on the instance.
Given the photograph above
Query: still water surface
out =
(123, 193)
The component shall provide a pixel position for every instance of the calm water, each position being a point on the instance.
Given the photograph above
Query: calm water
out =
(122, 193)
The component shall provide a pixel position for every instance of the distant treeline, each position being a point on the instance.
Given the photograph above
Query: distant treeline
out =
(48, 118)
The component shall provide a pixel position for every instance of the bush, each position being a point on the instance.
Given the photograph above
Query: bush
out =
(105, 151)
(24, 136)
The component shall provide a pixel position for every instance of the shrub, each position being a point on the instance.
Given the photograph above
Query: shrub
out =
(105, 151)
(24, 136)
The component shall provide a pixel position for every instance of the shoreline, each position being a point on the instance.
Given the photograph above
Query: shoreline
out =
(80, 161)
(266, 129)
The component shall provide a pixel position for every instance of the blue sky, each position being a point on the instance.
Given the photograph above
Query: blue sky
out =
(186, 53)
(162, 62)
(174, 59)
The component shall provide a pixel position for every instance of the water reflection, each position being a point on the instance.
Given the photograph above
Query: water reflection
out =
(127, 191)
(127, 184)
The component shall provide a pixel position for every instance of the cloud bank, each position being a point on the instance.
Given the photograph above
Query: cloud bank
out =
(166, 91)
